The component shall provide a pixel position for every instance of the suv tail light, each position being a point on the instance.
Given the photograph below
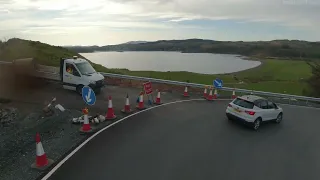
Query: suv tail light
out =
(229, 105)
(250, 112)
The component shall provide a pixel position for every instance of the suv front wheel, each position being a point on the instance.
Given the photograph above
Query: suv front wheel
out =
(279, 118)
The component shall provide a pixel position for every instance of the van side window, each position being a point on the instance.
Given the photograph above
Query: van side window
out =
(71, 69)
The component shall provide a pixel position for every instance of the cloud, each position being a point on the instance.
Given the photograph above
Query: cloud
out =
(32, 18)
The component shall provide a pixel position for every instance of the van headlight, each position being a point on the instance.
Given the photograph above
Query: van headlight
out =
(92, 82)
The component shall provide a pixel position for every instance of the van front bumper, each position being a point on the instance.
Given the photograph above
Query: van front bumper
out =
(99, 84)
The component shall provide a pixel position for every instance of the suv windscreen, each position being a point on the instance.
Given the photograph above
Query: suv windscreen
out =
(243, 103)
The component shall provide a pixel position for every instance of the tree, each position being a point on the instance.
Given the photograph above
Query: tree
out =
(314, 80)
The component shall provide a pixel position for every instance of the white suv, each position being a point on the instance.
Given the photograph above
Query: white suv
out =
(254, 110)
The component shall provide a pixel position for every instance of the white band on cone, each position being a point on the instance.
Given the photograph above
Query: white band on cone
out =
(186, 89)
(210, 92)
(39, 149)
(110, 104)
(86, 120)
(215, 91)
(158, 95)
(127, 101)
(141, 98)
(205, 90)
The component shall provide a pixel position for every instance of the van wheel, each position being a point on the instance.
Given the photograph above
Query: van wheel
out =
(79, 89)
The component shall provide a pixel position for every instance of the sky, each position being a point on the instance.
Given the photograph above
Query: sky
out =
(104, 22)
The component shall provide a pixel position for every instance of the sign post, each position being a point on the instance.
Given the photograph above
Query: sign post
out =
(88, 95)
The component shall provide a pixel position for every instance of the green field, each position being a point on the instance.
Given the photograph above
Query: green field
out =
(274, 75)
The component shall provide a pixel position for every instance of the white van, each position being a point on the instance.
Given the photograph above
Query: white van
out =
(77, 72)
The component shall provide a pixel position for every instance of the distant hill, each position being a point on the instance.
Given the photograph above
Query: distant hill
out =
(275, 48)
(136, 42)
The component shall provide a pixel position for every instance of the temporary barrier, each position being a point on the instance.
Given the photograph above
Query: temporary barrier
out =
(233, 95)
(205, 94)
(158, 100)
(185, 93)
(215, 95)
(110, 113)
(42, 162)
(140, 105)
(86, 128)
(127, 109)
(210, 96)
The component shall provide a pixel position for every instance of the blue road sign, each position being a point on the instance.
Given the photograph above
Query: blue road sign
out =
(218, 83)
(88, 95)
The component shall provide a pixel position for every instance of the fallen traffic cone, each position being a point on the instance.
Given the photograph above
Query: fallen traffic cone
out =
(42, 162)
(233, 95)
(86, 128)
(158, 100)
(215, 94)
(110, 114)
(140, 105)
(185, 93)
(127, 108)
(210, 96)
(205, 94)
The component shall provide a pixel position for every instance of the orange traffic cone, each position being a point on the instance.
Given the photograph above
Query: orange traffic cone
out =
(42, 162)
(110, 113)
(205, 94)
(86, 128)
(233, 94)
(158, 100)
(127, 109)
(215, 94)
(140, 105)
(210, 96)
(185, 93)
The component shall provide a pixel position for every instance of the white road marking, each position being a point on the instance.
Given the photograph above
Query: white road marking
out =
(54, 169)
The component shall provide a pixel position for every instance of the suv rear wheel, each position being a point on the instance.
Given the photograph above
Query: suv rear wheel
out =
(257, 123)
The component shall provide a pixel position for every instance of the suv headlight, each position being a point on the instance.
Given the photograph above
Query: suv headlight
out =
(92, 82)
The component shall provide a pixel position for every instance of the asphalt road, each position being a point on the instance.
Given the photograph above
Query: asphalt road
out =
(193, 140)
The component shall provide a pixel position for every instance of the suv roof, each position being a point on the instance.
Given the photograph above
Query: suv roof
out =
(251, 98)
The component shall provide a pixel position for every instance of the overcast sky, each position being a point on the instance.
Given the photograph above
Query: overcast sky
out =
(101, 22)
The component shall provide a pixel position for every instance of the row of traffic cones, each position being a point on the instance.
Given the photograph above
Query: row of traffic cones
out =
(209, 96)
(110, 115)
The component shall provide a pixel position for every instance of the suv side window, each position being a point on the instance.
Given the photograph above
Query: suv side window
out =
(263, 104)
(271, 105)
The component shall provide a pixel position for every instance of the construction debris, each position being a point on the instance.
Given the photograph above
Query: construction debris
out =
(8, 115)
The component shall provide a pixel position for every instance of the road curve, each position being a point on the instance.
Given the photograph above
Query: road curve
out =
(193, 140)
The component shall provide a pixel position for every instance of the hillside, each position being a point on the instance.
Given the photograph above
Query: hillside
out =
(276, 48)
(43, 53)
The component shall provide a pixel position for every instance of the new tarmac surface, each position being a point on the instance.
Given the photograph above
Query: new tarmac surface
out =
(194, 140)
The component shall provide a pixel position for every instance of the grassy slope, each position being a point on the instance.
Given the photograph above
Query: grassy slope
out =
(282, 76)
